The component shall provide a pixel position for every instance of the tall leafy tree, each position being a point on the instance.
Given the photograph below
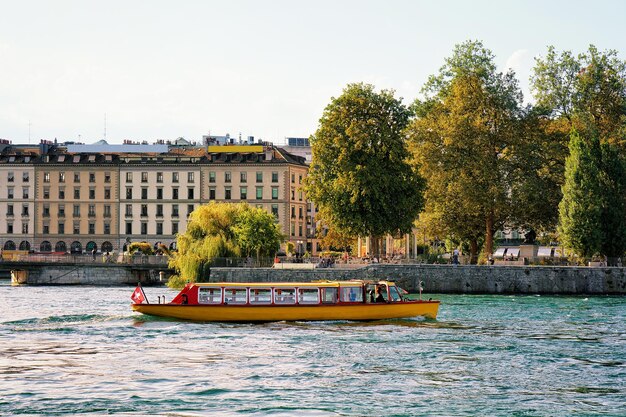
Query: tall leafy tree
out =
(463, 137)
(613, 186)
(580, 210)
(256, 231)
(360, 177)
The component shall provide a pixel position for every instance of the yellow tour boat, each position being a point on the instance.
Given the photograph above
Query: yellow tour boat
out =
(288, 301)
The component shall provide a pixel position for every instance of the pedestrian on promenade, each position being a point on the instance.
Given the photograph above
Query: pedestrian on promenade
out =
(455, 256)
(93, 254)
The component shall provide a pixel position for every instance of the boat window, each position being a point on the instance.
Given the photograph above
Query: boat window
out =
(394, 294)
(260, 295)
(284, 295)
(210, 295)
(351, 294)
(308, 296)
(329, 295)
(235, 296)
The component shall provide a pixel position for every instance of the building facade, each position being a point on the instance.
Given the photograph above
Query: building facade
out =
(75, 199)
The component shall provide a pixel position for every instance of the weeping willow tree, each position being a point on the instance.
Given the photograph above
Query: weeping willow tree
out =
(222, 230)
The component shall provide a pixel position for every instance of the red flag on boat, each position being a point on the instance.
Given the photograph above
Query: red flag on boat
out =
(138, 295)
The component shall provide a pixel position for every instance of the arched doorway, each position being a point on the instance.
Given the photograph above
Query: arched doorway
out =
(76, 247)
(9, 245)
(45, 246)
(91, 245)
(107, 247)
(60, 247)
(24, 245)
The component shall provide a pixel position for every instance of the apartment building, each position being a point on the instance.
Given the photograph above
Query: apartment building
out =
(78, 198)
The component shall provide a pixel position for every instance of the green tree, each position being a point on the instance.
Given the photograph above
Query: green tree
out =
(360, 177)
(589, 90)
(613, 186)
(218, 230)
(580, 210)
(463, 138)
(256, 231)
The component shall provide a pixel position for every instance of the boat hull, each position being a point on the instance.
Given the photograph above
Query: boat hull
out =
(247, 313)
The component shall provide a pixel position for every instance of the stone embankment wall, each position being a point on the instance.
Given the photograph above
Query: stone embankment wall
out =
(96, 274)
(470, 279)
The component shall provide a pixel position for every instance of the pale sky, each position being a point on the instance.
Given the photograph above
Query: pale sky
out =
(166, 69)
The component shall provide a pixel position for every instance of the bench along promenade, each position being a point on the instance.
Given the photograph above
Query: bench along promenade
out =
(454, 279)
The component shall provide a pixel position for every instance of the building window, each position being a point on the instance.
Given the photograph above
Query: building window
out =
(144, 177)
(25, 192)
(10, 193)
(129, 177)
(61, 210)
(10, 177)
(174, 176)
(129, 228)
(189, 193)
(259, 176)
(61, 176)
(189, 209)
(259, 193)
(293, 229)
(10, 228)
(92, 210)
(61, 193)
(9, 209)
(159, 193)
(24, 228)
(46, 177)
(212, 193)
(174, 210)
(76, 211)
(46, 193)
(300, 213)
(92, 228)
(129, 210)
(77, 177)
(61, 228)
(77, 228)
(174, 193)
(46, 210)
(227, 195)
(107, 193)
(129, 193)
(46, 229)
(159, 228)
(144, 210)
(299, 229)
(107, 210)
(300, 179)
(212, 176)
(25, 177)
(144, 228)
(159, 210)
(190, 177)
(92, 193)
(274, 193)
(92, 177)
(293, 212)
(293, 178)
(275, 210)
(159, 177)
(243, 193)
(25, 210)
(144, 193)
(243, 177)
(77, 193)
(107, 228)
(227, 176)
(107, 177)
(174, 228)
(300, 195)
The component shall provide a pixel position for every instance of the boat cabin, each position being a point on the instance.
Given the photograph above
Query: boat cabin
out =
(289, 294)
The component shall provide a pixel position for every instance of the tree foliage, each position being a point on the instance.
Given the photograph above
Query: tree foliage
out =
(360, 177)
(219, 230)
(463, 138)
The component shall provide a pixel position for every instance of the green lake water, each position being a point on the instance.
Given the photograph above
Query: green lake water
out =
(82, 351)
